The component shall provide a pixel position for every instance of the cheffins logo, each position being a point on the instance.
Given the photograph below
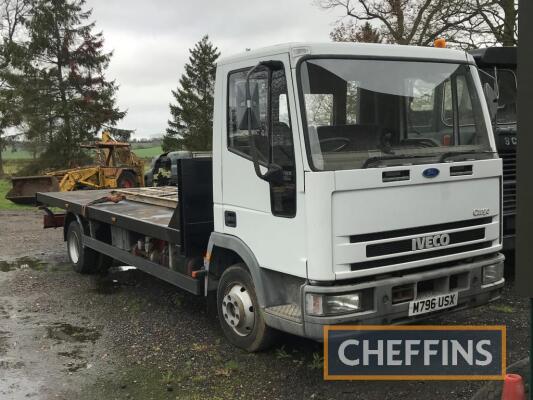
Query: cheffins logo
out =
(385, 352)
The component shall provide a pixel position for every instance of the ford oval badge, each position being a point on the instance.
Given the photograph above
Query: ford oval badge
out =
(430, 173)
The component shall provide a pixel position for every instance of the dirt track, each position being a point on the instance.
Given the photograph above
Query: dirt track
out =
(130, 336)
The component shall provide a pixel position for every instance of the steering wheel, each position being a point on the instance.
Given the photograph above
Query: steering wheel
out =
(422, 142)
(342, 140)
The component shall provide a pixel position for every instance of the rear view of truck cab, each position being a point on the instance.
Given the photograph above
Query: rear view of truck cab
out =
(353, 183)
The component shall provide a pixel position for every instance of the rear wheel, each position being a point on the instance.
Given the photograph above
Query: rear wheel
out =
(84, 260)
(239, 313)
(127, 179)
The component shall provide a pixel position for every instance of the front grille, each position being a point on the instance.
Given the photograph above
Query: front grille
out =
(509, 181)
(419, 256)
(406, 245)
(368, 237)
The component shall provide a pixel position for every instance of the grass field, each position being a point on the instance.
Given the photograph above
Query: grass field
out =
(148, 152)
(143, 152)
(5, 185)
(9, 154)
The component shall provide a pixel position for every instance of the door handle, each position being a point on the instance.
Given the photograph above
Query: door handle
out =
(230, 218)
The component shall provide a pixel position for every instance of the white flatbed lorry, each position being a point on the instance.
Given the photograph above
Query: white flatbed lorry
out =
(349, 184)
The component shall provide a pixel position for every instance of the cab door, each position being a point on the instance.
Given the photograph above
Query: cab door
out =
(267, 216)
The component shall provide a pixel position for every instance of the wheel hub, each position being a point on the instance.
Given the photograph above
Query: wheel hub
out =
(238, 310)
(73, 247)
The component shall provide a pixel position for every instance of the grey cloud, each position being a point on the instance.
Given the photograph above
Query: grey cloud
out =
(150, 40)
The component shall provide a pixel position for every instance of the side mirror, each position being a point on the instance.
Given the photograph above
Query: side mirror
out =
(243, 111)
(274, 174)
(492, 100)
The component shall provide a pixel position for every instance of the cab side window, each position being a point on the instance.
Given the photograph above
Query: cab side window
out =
(238, 139)
(273, 136)
(283, 195)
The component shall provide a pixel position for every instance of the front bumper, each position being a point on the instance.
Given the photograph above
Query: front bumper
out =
(466, 279)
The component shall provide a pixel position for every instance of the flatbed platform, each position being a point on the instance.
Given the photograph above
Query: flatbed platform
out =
(151, 219)
(181, 215)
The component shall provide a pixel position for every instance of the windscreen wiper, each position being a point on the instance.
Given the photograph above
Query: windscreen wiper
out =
(372, 160)
(449, 154)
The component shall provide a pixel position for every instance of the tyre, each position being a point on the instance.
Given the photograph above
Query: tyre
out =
(239, 313)
(127, 179)
(84, 260)
(104, 263)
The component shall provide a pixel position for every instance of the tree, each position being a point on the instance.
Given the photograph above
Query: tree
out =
(497, 22)
(350, 32)
(13, 15)
(66, 98)
(190, 126)
(415, 22)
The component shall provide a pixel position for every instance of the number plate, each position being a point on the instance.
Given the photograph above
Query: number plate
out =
(429, 304)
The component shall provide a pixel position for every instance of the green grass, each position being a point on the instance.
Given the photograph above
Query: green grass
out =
(13, 166)
(5, 186)
(142, 150)
(9, 154)
(503, 308)
(148, 152)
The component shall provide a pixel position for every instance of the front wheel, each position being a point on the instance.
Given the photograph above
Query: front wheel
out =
(239, 313)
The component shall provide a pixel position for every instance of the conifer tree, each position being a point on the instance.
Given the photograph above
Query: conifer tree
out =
(190, 126)
(66, 98)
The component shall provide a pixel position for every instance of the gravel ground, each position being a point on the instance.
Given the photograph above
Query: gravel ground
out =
(130, 336)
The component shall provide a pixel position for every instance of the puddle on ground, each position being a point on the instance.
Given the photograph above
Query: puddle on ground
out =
(73, 367)
(75, 353)
(33, 264)
(116, 278)
(77, 359)
(3, 341)
(70, 333)
(11, 364)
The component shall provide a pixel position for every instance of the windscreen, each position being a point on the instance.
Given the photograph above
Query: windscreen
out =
(359, 111)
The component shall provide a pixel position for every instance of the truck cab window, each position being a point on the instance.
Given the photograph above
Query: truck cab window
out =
(320, 108)
(362, 113)
(238, 139)
(420, 109)
(464, 102)
(507, 97)
(282, 196)
(273, 138)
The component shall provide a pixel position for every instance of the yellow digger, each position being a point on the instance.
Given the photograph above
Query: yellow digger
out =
(115, 166)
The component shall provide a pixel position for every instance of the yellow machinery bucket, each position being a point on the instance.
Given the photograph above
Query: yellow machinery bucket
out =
(24, 188)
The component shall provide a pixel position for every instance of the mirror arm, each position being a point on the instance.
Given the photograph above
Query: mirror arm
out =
(251, 138)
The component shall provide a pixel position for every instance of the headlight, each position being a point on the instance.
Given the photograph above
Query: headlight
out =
(322, 304)
(492, 273)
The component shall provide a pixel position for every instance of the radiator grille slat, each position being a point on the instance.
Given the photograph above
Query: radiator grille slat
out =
(509, 181)
(419, 256)
(405, 245)
(367, 237)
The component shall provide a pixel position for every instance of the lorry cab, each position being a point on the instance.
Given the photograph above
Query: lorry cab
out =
(357, 178)
(498, 66)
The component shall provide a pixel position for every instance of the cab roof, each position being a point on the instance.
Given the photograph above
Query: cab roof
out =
(495, 56)
(297, 49)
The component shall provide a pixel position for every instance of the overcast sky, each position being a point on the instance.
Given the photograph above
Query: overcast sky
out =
(150, 40)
